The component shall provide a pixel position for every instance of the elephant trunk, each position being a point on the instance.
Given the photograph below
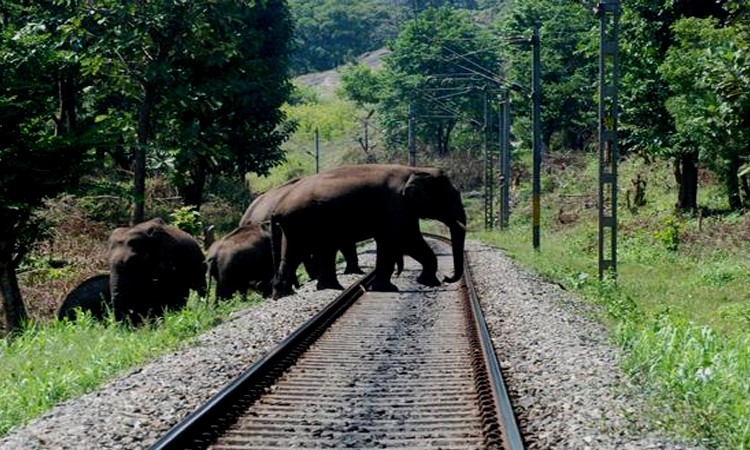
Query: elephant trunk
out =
(458, 237)
(124, 293)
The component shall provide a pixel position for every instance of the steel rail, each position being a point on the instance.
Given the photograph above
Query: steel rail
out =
(511, 434)
(210, 420)
(201, 428)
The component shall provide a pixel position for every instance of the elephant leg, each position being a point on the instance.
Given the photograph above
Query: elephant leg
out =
(265, 288)
(282, 284)
(384, 263)
(349, 251)
(326, 259)
(224, 289)
(310, 267)
(127, 296)
(418, 249)
(286, 272)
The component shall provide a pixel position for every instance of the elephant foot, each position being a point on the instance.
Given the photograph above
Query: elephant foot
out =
(354, 270)
(282, 290)
(428, 280)
(383, 286)
(333, 284)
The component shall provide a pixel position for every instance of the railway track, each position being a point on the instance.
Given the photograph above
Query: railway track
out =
(413, 369)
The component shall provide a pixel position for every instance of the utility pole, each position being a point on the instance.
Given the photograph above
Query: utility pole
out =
(608, 12)
(411, 142)
(536, 97)
(317, 151)
(489, 197)
(504, 133)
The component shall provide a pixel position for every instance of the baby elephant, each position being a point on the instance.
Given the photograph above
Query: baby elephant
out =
(242, 260)
(91, 295)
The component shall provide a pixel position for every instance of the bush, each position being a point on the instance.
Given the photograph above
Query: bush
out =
(188, 219)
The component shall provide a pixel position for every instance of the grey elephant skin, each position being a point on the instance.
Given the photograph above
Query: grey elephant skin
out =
(242, 260)
(153, 266)
(92, 295)
(261, 210)
(354, 203)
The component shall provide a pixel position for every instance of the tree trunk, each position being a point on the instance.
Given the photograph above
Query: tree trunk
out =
(15, 312)
(192, 192)
(443, 138)
(686, 175)
(732, 184)
(66, 119)
(745, 188)
(139, 166)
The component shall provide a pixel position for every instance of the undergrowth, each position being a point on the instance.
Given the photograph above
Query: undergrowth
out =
(679, 308)
(52, 362)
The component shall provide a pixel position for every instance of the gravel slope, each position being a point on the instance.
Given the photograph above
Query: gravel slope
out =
(559, 367)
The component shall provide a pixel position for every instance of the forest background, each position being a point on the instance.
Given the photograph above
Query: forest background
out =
(111, 113)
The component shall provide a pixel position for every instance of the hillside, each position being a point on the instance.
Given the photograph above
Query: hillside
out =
(327, 82)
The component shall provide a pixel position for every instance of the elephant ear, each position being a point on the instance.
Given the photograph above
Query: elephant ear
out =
(420, 189)
(415, 187)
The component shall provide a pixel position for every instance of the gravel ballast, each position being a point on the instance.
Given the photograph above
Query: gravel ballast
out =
(559, 366)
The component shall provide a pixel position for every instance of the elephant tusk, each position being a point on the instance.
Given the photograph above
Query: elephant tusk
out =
(461, 225)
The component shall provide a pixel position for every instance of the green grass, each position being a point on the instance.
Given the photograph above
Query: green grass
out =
(680, 308)
(47, 364)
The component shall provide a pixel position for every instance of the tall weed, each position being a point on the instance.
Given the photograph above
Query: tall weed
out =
(699, 377)
(680, 308)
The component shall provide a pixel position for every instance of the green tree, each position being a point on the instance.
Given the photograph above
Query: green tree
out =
(197, 86)
(42, 149)
(329, 33)
(706, 69)
(132, 46)
(442, 51)
(646, 125)
(569, 67)
(360, 84)
(227, 115)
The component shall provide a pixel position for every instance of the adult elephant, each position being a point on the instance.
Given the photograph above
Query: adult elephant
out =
(153, 266)
(242, 260)
(261, 210)
(354, 203)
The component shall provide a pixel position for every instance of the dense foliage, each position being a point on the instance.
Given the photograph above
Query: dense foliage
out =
(186, 89)
(334, 32)
(199, 84)
(42, 147)
(569, 68)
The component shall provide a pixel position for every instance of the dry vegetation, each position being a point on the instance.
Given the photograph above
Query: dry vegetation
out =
(75, 244)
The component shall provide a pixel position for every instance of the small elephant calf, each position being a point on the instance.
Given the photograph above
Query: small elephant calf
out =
(242, 260)
(92, 295)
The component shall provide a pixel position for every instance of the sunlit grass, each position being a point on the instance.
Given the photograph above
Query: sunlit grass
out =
(50, 363)
(680, 307)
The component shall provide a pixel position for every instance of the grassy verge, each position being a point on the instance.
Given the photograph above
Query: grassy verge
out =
(50, 363)
(680, 309)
